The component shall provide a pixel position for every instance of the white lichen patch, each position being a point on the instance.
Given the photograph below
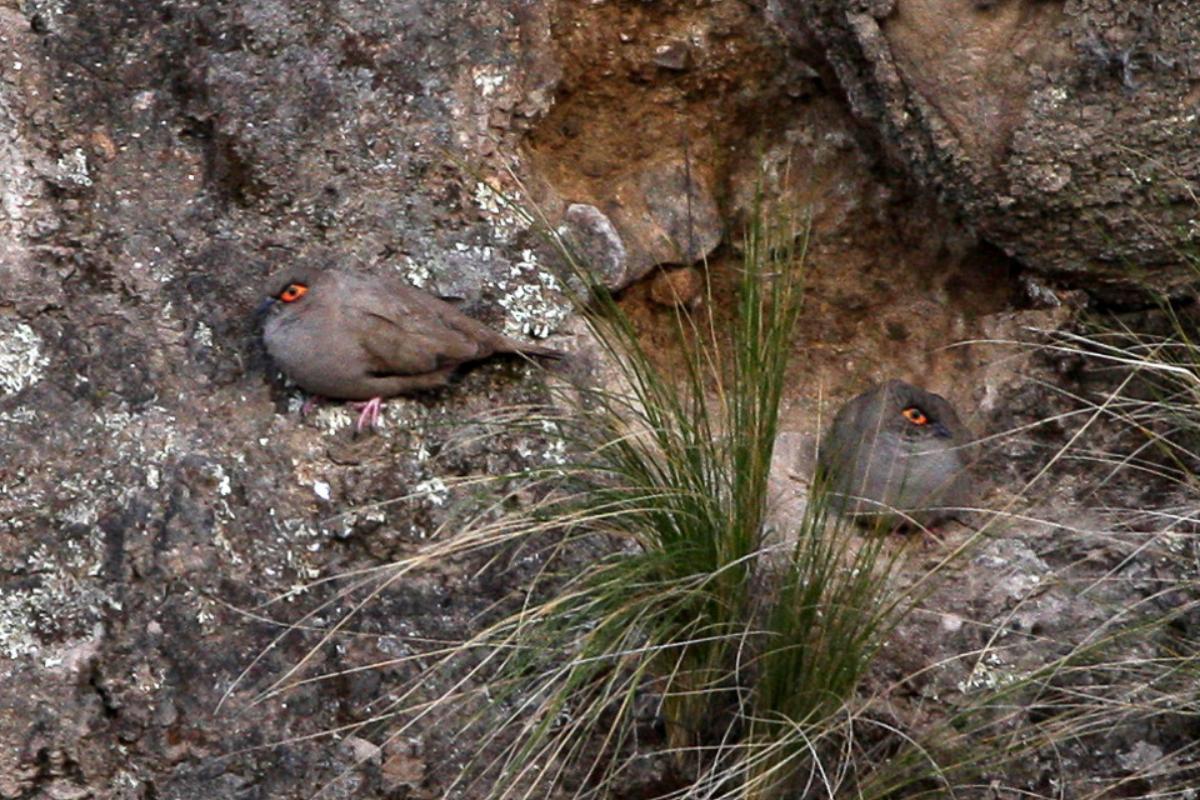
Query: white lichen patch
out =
(21, 357)
(84, 507)
(16, 610)
(148, 679)
(59, 593)
(534, 299)
(203, 335)
(330, 418)
(403, 413)
(83, 513)
(115, 421)
(207, 613)
(1052, 97)
(476, 253)
(298, 563)
(349, 519)
(416, 273)
(989, 672)
(22, 415)
(500, 210)
(72, 168)
(551, 450)
(221, 478)
(433, 490)
(488, 79)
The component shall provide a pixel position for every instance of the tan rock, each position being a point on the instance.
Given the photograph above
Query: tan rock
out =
(678, 287)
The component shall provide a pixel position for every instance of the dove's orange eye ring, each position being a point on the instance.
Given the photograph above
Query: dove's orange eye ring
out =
(915, 415)
(293, 292)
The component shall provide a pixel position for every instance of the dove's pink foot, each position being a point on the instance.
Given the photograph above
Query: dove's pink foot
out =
(312, 402)
(369, 414)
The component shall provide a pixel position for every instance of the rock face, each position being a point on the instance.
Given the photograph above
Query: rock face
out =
(162, 502)
(1064, 132)
(157, 160)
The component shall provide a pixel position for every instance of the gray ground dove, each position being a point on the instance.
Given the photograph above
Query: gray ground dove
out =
(350, 336)
(897, 456)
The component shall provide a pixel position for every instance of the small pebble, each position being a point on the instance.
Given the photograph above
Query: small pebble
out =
(677, 287)
(673, 56)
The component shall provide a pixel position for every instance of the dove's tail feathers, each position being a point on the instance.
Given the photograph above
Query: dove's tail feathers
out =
(538, 350)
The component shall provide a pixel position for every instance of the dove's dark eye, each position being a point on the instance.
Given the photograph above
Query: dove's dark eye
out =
(915, 415)
(293, 292)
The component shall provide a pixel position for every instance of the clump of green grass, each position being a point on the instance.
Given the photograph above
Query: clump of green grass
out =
(671, 474)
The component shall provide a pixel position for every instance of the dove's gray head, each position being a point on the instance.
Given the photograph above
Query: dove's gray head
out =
(897, 454)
